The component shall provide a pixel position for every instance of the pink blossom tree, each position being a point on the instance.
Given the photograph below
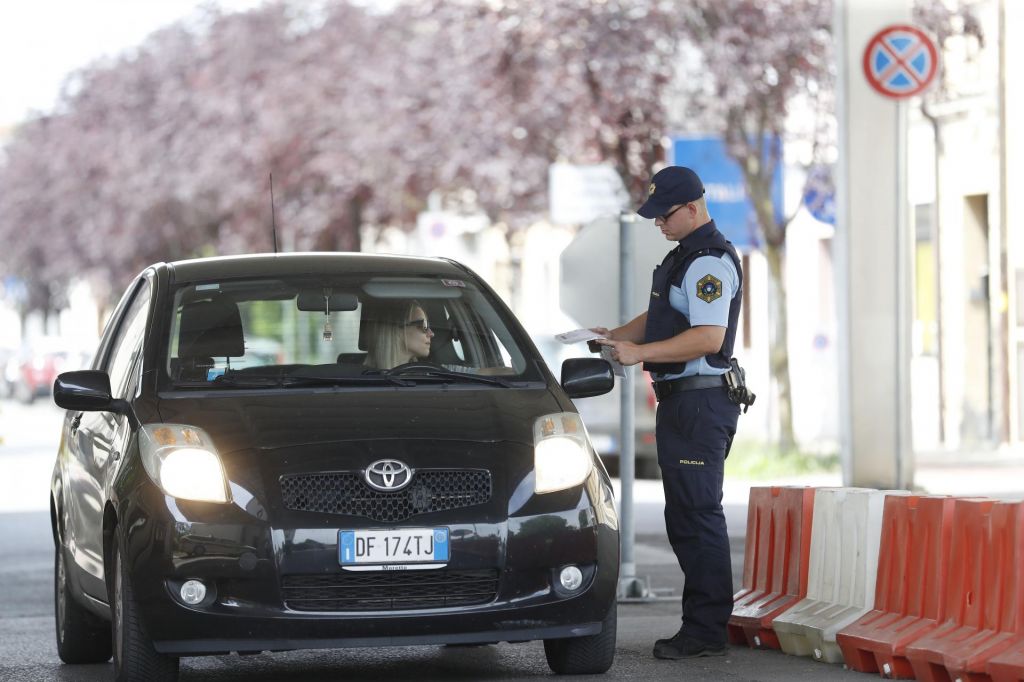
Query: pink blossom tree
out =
(165, 152)
(750, 63)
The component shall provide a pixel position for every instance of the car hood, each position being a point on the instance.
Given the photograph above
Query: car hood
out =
(297, 417)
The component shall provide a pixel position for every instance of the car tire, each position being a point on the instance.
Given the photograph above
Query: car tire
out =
(82, 637)
(135, 659)
(589, 655)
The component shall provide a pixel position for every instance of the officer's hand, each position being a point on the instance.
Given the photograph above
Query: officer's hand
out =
(592, 345)
(624, 352)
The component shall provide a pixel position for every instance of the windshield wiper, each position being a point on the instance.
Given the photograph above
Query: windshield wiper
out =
(250, 381)
(448, 375)
(403, 377)
(290, 381)
(306, 380)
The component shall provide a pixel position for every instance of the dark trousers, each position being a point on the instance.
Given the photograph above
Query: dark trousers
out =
(695, 431)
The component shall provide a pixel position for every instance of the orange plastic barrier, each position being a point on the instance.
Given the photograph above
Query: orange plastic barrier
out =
(775, 562)
(1008, 666)
(912, 579)
(984, 604)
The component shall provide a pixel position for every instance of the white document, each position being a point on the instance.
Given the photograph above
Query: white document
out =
(617, 368)
(577, 335)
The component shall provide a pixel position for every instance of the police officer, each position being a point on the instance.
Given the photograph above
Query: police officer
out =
(685, 339)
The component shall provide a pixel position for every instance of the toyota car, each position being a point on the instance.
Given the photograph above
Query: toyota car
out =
(210, 497)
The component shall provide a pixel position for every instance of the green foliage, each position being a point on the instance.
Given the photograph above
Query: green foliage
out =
(263, 318)
(757, 460)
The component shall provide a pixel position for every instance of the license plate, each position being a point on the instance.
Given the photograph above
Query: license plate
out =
(394, 548)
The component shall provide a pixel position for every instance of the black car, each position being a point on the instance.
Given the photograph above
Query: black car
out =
(403, 469)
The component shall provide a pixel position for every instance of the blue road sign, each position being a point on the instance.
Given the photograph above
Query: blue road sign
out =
(726, 192)
(820, 195)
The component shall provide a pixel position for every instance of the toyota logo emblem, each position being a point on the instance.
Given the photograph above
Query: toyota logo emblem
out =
(388, 475)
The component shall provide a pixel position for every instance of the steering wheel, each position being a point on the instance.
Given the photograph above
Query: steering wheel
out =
(417, 366)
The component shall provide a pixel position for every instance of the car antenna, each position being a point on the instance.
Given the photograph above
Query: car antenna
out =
(273, 221)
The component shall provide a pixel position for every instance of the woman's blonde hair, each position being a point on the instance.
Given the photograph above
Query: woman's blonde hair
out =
(385, 336)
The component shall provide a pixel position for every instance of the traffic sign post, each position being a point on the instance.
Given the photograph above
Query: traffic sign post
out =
(872, 236)
(900, 61)
(630, 587)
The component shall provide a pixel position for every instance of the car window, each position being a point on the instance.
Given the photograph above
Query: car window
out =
(101, 359)
(338, 326)
(127, 343)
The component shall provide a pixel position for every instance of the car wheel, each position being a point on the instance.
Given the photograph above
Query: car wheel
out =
(135, 659)
(588, 655)
(82, 637)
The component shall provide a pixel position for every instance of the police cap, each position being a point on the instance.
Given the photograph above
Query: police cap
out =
(669, 187)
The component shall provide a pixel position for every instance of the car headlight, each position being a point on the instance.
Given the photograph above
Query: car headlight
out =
(561, 452)
(183, 462)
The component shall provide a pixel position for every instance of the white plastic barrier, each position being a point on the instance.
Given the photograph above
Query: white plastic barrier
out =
(845, 533)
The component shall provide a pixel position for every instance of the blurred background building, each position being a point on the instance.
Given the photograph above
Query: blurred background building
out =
(461, 171)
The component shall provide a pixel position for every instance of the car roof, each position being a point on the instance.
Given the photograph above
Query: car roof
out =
(282, 264)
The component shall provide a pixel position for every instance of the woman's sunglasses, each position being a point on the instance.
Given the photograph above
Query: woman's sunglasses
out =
(419, 324)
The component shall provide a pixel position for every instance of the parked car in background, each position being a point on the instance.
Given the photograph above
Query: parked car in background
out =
(30, 373)
(602, 415)
(6, 387)
(308, 499)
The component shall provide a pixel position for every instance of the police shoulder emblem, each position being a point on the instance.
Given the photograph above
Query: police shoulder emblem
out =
(709, 288)
(650, 190)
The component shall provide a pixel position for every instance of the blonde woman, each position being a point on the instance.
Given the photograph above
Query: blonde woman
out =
(398, 334)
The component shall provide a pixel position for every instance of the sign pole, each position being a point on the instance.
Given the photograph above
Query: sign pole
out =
(898, 61)
(630, 587)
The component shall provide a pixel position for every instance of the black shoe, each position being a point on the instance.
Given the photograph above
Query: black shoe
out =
(682, 646)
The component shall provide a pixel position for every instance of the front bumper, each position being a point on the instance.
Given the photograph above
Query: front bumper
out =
(243, 558)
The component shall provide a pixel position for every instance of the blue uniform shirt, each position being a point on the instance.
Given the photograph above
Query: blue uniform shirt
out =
(716, 313)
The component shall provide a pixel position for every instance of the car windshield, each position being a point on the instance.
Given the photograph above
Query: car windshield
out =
(343, 330)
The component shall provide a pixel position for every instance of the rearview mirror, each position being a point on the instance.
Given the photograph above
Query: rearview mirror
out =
(86, 390)
(587, 377)
(315, 300)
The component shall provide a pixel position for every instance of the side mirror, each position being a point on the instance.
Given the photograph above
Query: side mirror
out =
(586, 377)
(86, 391)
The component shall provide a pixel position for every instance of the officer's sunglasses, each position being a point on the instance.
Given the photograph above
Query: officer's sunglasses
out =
(664, 218)
(420, 324)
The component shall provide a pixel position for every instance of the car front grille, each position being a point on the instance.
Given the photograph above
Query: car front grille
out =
(389, 590)
(346, 492)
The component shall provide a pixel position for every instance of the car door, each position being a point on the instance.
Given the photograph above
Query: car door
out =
(98, 439)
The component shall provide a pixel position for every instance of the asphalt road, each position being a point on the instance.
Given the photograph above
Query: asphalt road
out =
(28, 651)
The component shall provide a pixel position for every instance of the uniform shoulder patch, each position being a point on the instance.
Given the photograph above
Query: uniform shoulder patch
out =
(709, 288)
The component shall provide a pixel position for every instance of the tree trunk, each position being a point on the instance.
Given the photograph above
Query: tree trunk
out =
(779, 352)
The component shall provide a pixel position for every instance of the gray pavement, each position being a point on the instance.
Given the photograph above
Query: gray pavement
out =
(28, 652)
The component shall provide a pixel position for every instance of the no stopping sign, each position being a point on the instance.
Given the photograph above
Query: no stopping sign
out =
(900, 61)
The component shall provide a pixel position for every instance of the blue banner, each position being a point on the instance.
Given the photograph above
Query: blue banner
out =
(726, 192)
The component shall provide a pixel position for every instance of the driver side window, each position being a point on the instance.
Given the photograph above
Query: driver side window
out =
(127, 344)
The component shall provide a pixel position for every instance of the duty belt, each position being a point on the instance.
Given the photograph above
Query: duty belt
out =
(663, 389)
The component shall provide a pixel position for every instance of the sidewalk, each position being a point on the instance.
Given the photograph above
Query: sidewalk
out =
(986, 473)
(970, 475)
